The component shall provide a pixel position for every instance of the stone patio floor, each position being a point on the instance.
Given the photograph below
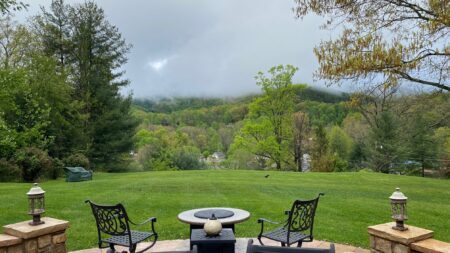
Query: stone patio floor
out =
(241, 246)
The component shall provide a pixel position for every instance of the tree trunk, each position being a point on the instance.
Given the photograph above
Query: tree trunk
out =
(423, 167)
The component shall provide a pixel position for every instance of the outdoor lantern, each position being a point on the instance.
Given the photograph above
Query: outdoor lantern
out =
(398, 206)
(36, 204)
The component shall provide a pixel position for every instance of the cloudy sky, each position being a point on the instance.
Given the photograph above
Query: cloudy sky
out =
(208, 48)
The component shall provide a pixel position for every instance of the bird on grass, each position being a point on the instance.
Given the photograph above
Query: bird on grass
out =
(266, 176)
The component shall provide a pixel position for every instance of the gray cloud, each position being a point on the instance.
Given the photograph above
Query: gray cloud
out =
(208, 48)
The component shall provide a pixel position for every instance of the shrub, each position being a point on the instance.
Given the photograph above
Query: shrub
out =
(9, 172)
(56, 170)
(120, 164)
(77, 160)
(323, 164)
(151, 157)
(187, 158)
(243, 159)
(366, 170)
(33, 162)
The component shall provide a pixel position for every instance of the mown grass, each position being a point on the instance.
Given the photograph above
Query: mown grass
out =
(352, 202)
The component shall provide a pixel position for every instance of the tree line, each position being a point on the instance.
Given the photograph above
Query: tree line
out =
(285, 126)
(60, 105)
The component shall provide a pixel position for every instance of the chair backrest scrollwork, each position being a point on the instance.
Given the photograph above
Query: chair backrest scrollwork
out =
(301, 216)
(111, 220)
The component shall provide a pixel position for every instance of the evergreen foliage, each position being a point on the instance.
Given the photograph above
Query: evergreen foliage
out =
(60, 79)
(93, 50)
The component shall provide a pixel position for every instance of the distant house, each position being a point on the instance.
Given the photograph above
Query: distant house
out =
(306, 163)
(215, 159)
(218, 155)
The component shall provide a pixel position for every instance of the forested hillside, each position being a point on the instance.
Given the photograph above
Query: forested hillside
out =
(61, 104)
(339, 132)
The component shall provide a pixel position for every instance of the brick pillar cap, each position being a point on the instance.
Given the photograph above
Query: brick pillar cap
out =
(413, 234)
(25, 231)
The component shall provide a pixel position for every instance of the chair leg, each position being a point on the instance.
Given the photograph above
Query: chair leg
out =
(299, 244)
(133, 248)
(111, 249)
(259, 239)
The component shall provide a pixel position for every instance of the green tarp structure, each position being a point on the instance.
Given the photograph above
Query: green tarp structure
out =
(77, 174)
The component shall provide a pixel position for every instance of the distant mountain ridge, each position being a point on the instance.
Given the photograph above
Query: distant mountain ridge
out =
(168, 105)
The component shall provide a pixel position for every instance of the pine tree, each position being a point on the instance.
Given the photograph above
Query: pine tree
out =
(92, 51)
(384, 148)
(98, 52)
(54, 30)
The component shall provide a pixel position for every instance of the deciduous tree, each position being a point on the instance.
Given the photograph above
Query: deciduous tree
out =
(384, 41)
(301, 128)
(267, 132)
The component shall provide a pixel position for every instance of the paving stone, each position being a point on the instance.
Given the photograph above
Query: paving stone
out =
(361, 250)
(241, 246)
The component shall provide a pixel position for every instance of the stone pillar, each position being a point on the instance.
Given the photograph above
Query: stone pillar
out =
(49, 237)
(384, 239)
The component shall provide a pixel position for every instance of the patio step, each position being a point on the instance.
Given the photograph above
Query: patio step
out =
(241, 246)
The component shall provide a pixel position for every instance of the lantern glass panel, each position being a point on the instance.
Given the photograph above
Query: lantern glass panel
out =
(399, 211)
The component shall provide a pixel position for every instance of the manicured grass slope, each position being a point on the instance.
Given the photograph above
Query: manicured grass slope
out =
(352, 202)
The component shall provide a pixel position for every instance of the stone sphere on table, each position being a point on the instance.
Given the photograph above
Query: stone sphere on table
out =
(212, 227)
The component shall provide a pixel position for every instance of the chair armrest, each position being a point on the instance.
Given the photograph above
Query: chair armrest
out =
(152, 219)
(261, 220)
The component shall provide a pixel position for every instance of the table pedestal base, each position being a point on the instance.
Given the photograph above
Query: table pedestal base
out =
(223, 243)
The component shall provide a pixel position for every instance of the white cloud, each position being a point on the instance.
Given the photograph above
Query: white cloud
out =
(158, 64)
(212, 48)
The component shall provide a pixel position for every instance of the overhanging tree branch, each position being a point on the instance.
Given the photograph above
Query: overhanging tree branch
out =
(417, 80)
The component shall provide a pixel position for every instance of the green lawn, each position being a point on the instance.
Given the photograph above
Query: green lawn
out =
(352, 201)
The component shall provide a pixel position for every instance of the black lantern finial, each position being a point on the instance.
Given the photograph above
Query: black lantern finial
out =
(398, 207)
(36, 202)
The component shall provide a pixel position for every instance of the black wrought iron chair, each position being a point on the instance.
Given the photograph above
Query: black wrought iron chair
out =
(298, 227)
(113, 226)
(271, 249)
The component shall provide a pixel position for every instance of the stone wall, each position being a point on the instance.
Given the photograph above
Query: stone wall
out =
(49, 237)
(384, 239)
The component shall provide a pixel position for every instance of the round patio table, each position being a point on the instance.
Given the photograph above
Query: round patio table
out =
(231, 216)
